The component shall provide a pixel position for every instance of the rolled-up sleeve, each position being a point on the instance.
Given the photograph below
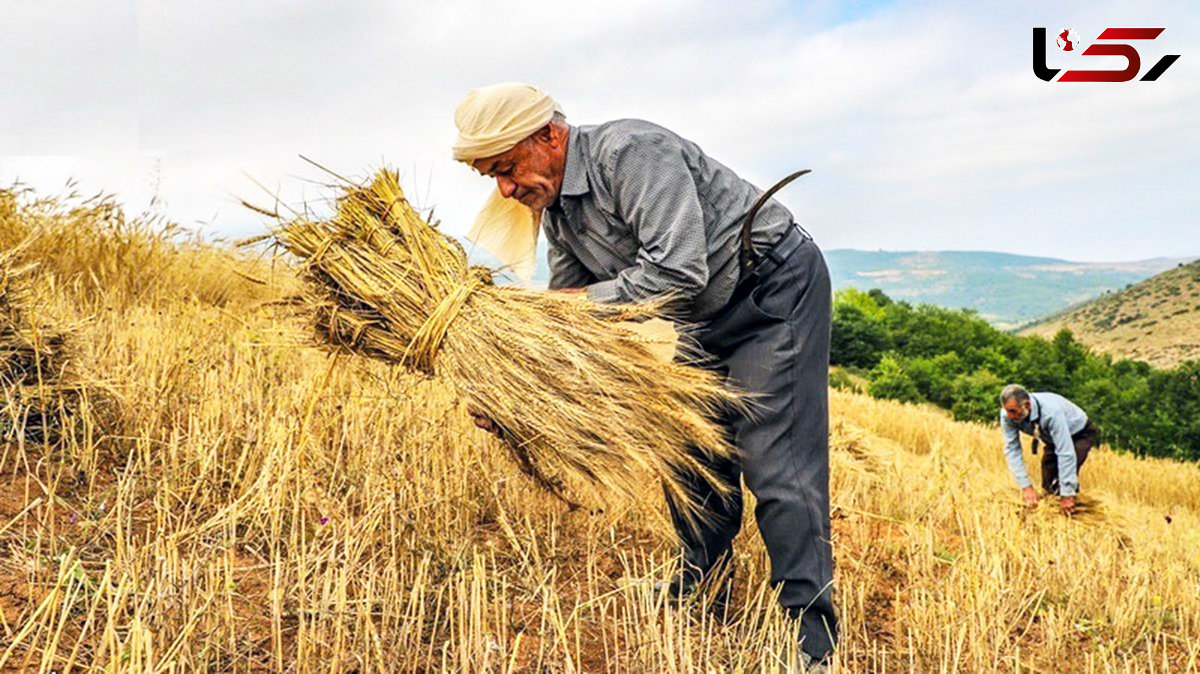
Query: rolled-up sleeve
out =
(655, 194)
(1012, 451)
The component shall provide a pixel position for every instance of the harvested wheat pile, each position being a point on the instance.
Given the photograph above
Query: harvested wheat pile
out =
(38, 391)
(574, 393)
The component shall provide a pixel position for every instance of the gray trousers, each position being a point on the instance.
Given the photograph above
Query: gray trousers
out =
(774, 344)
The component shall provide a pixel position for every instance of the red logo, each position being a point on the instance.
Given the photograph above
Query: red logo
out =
(1067, 42)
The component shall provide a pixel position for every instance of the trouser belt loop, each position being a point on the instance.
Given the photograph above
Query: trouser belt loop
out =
(774, 257)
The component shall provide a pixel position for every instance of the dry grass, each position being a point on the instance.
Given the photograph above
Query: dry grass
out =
(260, 509)
(43, 393)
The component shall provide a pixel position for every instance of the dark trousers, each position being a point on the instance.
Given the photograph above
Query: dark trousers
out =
(1084, 440)
(774, 344)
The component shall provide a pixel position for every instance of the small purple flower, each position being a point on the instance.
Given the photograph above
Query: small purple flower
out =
(324, 520)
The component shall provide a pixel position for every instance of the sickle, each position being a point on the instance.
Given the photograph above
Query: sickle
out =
(746, 257)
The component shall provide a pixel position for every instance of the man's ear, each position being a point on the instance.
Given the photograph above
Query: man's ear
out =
(547, 135)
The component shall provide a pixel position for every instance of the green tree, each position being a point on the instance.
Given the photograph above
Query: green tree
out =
(934, 377)
(1175, 429)
(857, 340)
(977, 396)
(1039, 369)
(871, 303)
(889, 380)
(1069, 352)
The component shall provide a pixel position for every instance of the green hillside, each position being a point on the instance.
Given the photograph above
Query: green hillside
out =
(1156, 320)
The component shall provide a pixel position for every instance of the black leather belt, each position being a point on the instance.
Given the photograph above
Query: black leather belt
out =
(753, 268)
(776, 255)
(772, 259)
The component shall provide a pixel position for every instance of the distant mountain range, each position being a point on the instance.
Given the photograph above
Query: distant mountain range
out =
(1007, 290)
(1157, 320)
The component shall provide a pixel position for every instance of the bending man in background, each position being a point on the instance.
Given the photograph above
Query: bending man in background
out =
(1064, 428)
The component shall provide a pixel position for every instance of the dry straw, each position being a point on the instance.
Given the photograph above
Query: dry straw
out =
(38, 388)
(576, 395)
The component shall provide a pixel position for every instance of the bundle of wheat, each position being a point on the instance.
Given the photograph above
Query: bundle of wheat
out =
(36, 391)
(571, 389)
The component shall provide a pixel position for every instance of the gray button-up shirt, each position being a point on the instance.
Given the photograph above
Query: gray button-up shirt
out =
(1060, 419)
(643, 212)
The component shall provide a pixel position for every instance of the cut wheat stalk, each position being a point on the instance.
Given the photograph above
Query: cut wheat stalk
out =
(39, 386)
(573, 391)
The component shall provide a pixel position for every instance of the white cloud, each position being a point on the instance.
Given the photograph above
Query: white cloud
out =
(923, 121)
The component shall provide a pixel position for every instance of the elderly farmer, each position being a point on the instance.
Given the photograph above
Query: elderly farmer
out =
(632, 211)
(1065, 429)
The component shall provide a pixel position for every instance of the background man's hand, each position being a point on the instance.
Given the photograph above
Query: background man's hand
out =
(1067, 505)
(483, 421)
(1030, 496)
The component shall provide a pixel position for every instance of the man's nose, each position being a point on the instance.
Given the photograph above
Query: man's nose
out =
(506, 185)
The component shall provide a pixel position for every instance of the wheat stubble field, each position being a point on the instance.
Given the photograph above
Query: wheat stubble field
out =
(188, 484)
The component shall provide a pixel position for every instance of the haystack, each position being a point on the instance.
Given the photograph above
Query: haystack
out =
(37, 390)
(576, 395)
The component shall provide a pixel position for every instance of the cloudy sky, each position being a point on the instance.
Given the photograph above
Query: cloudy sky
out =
(923, 122)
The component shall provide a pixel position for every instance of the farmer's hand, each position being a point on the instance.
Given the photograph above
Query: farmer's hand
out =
(1030, 496)
(1067, 505)
(572, 291)
(483, 421)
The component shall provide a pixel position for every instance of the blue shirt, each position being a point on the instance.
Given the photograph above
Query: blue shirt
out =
(644, 213)
(1059, 419)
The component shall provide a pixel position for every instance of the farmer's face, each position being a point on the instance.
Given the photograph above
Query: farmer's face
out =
(1016, 411)
(532, 171)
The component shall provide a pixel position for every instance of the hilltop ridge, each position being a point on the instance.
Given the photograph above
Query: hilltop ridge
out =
(1156, 320)
(1005, 289)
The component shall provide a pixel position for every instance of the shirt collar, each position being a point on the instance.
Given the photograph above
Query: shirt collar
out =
(575, 180)
(1035, 412)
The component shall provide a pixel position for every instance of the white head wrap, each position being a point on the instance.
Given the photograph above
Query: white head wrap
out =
(492, 120)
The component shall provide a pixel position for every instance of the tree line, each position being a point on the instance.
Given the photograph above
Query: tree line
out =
(955, 359)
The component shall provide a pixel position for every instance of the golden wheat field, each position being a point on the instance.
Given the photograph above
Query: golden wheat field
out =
(221, 495)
